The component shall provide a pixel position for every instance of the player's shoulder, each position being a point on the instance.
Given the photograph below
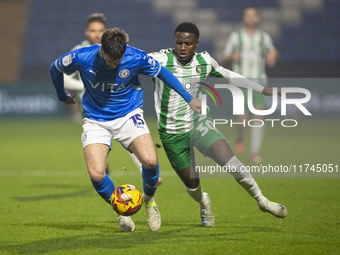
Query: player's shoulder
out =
(162, 52)
(162, 55)
(86, 51)
(263, 32)
(133, 51)
(83, 54)
(205, 55)
(206, 59)
(237, 32)
(167, 51)
(135, 57)
(134, 54)
(83, 44)
(77, 58)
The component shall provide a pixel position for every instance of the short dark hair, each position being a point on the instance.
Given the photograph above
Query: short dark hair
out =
(114, 42)
(188, 27)
(96, 17)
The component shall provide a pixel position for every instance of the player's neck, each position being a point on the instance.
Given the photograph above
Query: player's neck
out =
(183, 62)
(250, 30)
(101, 53)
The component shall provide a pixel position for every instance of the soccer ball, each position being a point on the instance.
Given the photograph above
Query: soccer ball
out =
(126, 200)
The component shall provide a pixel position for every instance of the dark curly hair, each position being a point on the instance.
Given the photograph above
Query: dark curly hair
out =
(188, 27)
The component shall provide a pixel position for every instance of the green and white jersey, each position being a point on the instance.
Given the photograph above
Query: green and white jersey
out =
(253, 50)
(173, 113)
(83, 44)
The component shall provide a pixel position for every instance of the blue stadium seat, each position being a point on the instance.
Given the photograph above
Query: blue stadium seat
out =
(332, 3)
(232, 15)
(59, 25)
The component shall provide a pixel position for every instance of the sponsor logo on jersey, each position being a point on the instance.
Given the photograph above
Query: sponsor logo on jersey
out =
(191, 86)
(124, 73)
(107, 86)
(67, 60)
(187, 86)
(199, 69)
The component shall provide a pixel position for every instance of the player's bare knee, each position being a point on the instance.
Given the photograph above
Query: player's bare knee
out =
(96, 176)
(150, 163)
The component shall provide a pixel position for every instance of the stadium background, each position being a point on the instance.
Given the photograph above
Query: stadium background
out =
(41, 162)
(35, 32)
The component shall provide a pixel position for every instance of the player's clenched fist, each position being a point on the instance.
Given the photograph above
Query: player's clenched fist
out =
(70, 99)
(196, 104)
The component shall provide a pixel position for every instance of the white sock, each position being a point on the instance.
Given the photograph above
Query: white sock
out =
(256, 139)
(149, 199)
(245, 179)
(136, 161)
(196, 194)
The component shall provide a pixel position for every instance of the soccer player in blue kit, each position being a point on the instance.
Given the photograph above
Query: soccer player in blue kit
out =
(112, 110)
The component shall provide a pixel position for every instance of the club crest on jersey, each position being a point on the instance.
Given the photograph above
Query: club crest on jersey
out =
(124, 73)
(152, 62)
(67, 60)
(187, 86)
(199, 69)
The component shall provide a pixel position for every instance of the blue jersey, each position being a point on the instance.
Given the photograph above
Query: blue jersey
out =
(109, 93)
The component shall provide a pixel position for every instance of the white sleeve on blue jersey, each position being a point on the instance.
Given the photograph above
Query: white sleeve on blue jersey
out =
(72, 83)
(149, 66)
(67, 63)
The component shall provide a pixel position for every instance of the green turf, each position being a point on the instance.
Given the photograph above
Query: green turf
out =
(48, 206)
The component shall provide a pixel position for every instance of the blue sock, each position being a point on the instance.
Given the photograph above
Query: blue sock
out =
(104, 188)
(150, 180)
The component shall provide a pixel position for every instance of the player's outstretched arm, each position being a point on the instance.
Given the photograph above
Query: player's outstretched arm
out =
(233, 78)
(167, 77)
(269, 91)
(58, 82)
(243, 82)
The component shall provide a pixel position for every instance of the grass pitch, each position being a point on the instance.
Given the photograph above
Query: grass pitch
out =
(48, 205)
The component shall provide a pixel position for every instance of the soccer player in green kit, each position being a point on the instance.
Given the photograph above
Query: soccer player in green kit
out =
(179, 127)
(95, 27)
(250, 49)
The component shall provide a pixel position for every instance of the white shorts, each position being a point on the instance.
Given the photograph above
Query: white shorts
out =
(124, 129)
